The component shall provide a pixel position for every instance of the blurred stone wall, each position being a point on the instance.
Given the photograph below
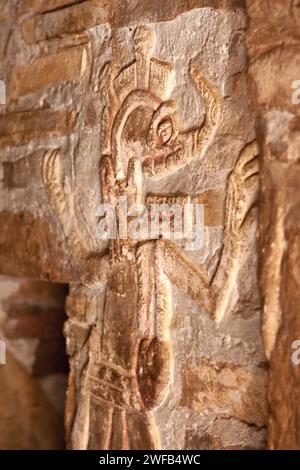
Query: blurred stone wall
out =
(274, 69)
(34, 377)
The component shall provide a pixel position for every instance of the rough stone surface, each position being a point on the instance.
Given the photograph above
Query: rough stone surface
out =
(57, 23)
(46, 72)
(156, 101)
(40, 6)
(273, 42)
(205, 302)
(17, 128)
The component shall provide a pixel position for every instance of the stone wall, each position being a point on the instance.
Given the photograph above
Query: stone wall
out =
(158, 102)
(34, 377)
(273, 44)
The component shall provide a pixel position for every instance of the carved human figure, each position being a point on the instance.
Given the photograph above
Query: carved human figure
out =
(127, 370)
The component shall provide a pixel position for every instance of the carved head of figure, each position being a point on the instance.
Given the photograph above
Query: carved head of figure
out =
(144, 41)
(142, 113)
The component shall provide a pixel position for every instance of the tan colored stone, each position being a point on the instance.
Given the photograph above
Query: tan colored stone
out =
(237, 391)
(5, 12)
(214, 207)
(157, 293)
(273, 44)
(16, 128)
(4, 35)
(33, 379)
(36, 425)
(40, 6)
(46, 71)
(73, 20)
(125, 12)
(35, 250)
(274, 75)
(165, 343)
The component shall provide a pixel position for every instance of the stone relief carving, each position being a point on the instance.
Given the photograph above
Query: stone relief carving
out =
(124, 362)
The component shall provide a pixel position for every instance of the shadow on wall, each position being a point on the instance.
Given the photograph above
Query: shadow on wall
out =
(34, 379)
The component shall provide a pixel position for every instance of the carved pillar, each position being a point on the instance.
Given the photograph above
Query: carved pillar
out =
(164, 341)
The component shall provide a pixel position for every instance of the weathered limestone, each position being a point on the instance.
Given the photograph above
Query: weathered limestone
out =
(47, 71)
(57, 23)
(129, 363)
(21, 127)
(39, 6)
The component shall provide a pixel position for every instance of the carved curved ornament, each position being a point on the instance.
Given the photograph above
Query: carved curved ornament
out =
(138, 110)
